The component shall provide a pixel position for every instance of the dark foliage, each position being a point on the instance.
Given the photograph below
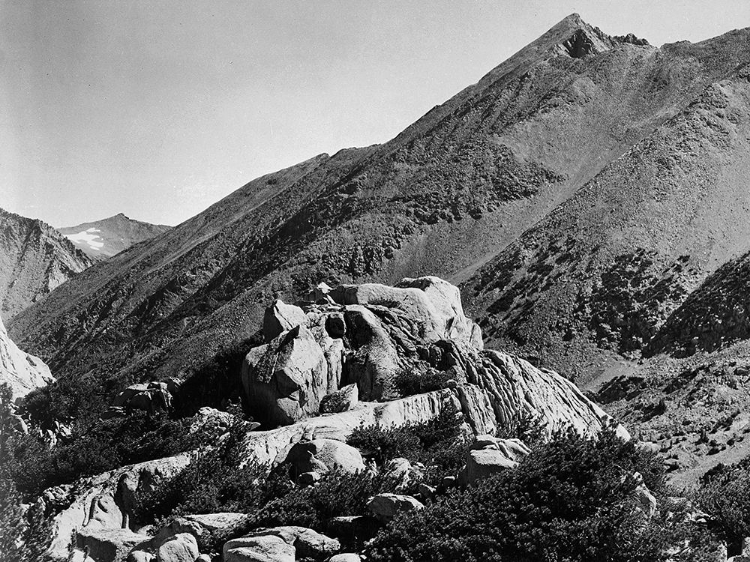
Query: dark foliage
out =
(92, 450)
(725, 494)
(529, 429)
(24, 535)
(573, 499)
(439, 444)
(216, 380)
(410, 381)
(335, 495)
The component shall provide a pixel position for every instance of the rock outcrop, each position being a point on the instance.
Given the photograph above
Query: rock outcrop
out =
(385, 507)
(149, 397)
(19, 370)
(372, 335)
(323, 456)
(101, 508)
(364, 339)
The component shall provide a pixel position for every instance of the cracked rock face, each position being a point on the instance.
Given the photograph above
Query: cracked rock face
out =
(21, 371)
(364, 336)
(369, 335)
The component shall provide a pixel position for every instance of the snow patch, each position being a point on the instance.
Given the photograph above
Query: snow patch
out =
(89, 237)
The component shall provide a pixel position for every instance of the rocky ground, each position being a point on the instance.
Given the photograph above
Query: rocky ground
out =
(588, 194)
(351, 355)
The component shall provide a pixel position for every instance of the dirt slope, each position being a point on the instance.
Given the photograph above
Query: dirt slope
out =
(445, 197)
(606, 269)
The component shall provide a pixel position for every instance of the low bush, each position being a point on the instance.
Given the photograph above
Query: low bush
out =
(570, 500)
(109, 444)
(212, 482)
(439, 444)
(529, 429)
(409, 382)
(724, 493)
(334, 495)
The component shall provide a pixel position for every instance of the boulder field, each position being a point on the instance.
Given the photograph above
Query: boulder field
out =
(352, 349)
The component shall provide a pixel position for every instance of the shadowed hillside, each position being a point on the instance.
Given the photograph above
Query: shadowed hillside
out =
(445, 197)
(34, 259)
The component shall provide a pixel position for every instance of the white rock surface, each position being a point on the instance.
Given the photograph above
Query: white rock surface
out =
(385, 506)
(21, 371)
(180, 548)
(281, 317)
(266, 548)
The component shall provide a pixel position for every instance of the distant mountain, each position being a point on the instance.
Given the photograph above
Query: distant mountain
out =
(105, 238)
(34, 259)
(582, 181)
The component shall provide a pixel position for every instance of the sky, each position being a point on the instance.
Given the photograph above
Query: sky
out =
(159, 108)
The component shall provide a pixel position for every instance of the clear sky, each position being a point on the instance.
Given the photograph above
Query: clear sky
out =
(159, 108)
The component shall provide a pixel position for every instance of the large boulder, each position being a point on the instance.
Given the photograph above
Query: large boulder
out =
(150, 397)
(306, 542)
(489, 456)
(384, 507)
(433, 305)
(281, 317)
(109, 545)
(374, 360)
(285, 379)
(265, 548)
(323, 456)
(180, 548)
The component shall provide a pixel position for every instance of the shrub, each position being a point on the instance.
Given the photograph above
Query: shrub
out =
(572, 499)
(214, 481)
(409, 382)
(529, 429)
(725, 494)
(334, 495)
(439, 444)
(95, 449)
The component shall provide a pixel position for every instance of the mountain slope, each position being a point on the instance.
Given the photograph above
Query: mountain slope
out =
(445, 197)
(34, 260)
(105, 238)
(609, 266)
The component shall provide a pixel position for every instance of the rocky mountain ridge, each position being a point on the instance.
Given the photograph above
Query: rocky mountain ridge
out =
(34, 260)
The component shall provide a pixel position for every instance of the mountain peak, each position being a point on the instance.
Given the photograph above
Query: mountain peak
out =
(576, 38)
(106, 237)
